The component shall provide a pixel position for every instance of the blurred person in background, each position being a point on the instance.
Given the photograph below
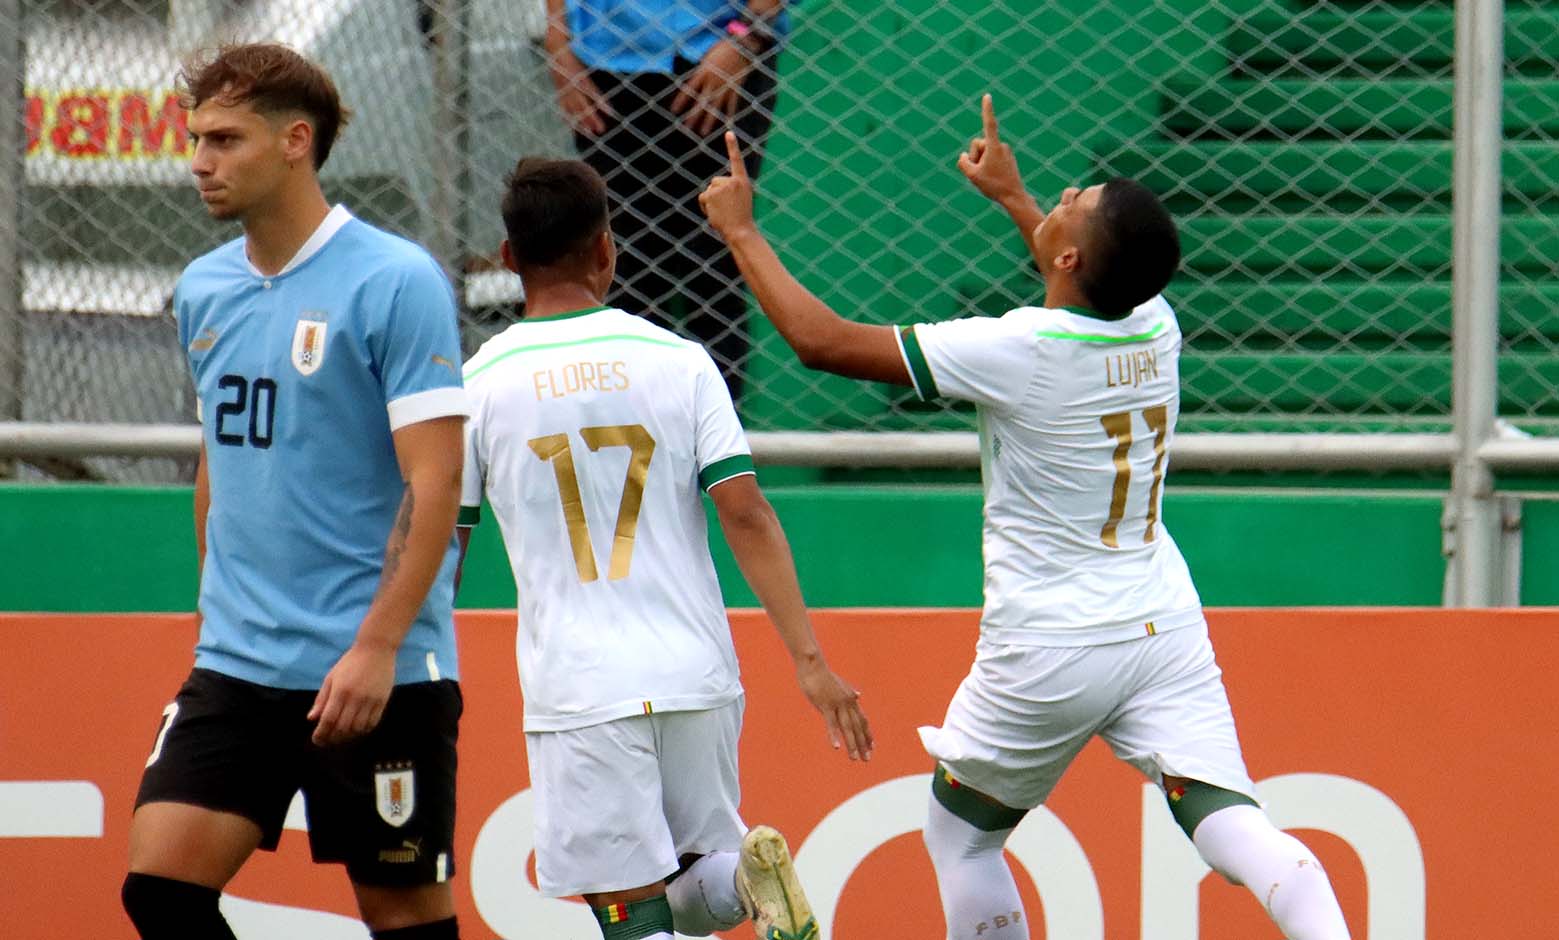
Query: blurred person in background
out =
(649, 87)
(1092, 625)
(326, 366)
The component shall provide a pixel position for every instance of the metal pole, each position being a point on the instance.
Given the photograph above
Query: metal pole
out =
(1195, 451)
(1473, 515)
(12, 154)
(451, 138)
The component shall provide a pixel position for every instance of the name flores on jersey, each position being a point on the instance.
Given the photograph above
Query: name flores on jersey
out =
(308, 345)
(561, 381)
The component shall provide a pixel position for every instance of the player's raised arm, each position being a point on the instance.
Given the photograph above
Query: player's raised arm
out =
(991, 166)
(821, 338)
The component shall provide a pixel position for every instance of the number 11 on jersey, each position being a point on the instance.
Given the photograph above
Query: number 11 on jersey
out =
(1118, 427)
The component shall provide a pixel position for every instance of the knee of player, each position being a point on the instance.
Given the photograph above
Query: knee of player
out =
(963, 822)
(386, 907)
(167, 909)
(1191, 802)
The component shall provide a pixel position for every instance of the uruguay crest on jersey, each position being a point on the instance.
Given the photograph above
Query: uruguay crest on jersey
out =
(308, 345)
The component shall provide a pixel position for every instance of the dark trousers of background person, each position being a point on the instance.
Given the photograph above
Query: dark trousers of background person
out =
(655, 167)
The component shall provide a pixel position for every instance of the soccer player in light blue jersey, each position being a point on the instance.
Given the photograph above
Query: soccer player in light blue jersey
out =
(325, 355)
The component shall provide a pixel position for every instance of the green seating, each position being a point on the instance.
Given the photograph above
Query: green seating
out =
(1313, 183)
(1342, 108)
(1306, 154)
(1396, 245)
(1353, 384)
(1396, 175)
(1377, 42)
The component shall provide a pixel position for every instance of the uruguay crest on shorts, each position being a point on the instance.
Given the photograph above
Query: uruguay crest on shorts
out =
(308, 345)
(395, 793)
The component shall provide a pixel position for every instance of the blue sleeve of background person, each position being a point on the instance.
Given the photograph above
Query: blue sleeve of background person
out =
(419, 346)
(647, 35)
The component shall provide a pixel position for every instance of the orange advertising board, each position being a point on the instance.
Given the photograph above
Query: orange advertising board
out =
(1410, 748)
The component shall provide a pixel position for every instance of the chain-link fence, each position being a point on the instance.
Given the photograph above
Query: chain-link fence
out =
(1304, 146)
(1530, 319)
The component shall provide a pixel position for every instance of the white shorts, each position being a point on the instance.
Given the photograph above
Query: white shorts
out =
(618, 803)
(1024, 712)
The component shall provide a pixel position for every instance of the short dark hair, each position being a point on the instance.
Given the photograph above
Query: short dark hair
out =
(272, 79)
(552, 210)
(1131, 250)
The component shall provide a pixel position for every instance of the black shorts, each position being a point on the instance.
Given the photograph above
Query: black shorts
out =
(383, 804)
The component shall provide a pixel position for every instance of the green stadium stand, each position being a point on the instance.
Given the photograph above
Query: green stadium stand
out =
(1307, 154)
(1349, 106)
(1377, 42)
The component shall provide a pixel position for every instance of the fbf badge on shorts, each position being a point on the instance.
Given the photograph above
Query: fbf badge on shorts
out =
(395, 793)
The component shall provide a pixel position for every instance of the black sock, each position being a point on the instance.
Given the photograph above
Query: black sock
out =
(445, 929)
(165, 909)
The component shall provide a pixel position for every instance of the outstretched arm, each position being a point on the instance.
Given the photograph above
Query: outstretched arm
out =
(762, 552)
(821, 338)
(990, 165)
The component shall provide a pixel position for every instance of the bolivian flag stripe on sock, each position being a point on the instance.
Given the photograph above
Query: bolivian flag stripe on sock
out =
(636, 920)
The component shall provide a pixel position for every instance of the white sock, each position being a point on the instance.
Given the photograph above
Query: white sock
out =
(704, 899)
(979, 896)
(1240, 843)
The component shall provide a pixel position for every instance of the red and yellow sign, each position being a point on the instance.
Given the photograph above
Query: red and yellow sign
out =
(1409, 748)
(120, 124)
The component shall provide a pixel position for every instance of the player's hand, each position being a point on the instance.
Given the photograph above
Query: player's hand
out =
(989, 163)
(840, 705)
(712, 92)
(584, 107)
(351, 701)
(727, 200)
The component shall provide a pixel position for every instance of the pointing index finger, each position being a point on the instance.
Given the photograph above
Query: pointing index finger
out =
(734, 151)
(988, 112)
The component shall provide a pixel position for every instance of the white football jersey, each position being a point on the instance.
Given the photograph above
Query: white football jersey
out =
(1076, 418)
(593, 435)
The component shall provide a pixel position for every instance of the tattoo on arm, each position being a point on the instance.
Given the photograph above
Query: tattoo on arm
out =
(398, 536)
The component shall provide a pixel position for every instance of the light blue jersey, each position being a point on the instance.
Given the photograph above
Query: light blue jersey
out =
(301, 378)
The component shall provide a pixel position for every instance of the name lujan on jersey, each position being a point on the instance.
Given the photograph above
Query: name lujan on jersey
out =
(579, 377)
(1129, 370)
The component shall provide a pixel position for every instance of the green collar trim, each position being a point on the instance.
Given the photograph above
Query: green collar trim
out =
(1094, 314)
(1157, 330)
(566, 316)
(471, 373)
